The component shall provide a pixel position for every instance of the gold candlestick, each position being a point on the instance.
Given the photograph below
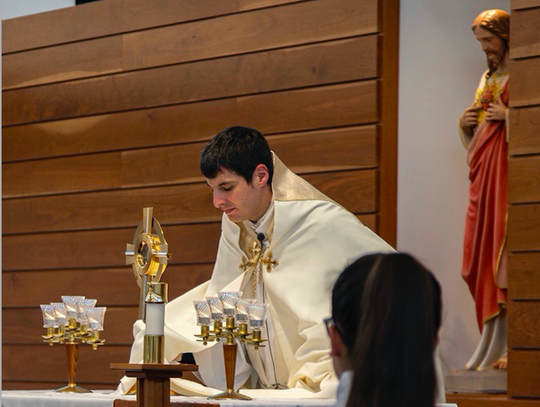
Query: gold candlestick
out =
(72, 353)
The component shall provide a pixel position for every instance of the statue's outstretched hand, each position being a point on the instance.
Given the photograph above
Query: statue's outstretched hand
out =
(496, 111)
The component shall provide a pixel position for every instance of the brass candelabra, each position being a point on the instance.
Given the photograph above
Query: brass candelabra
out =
(74, 321)
(238, 314)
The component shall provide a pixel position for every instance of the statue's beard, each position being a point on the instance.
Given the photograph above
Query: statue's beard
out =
(494, 63)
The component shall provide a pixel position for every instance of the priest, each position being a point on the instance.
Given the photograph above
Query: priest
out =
(283, 243)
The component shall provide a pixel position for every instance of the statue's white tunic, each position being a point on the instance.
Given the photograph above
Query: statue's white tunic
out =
(313, 240)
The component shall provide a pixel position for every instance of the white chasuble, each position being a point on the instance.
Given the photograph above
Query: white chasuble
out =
(312, 240)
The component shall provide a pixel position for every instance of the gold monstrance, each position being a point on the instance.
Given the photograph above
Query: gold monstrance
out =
(148, 255)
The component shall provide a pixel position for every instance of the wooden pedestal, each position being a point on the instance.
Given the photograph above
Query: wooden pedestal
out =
(153, 380)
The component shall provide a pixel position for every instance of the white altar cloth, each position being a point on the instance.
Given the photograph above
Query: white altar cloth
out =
(105, 398)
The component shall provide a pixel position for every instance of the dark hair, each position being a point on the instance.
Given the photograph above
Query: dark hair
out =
(347, 296)
(400, 315)
(238, 149)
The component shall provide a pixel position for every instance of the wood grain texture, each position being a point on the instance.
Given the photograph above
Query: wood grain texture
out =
(195, 243)
(369, 220)
(388, 127)
(524, 276)
(42, 287)
(523, 4)
(524, 324)
(281, 69)
(41, 385)
(523, 368)
(525, 38)
(113, 17)
(524, 179)
(524, 227)
(206, 39)
(526, 90)
(48, 364)
(525, 125)
(487, 400)
(330, 150)
(280, 112)
(191, 203)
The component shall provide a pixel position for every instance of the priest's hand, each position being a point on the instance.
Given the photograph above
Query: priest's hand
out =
(496, 111)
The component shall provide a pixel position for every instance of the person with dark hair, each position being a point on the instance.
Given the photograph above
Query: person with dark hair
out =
(384, 333)
(484, 132)
(283, 243)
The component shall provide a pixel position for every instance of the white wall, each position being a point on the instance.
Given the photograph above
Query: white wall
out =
(440, 67)
(18, 8)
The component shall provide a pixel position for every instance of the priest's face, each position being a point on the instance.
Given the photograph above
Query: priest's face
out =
(238, 199)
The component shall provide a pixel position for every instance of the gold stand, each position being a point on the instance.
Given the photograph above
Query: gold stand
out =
(229, 355)
(72, 353)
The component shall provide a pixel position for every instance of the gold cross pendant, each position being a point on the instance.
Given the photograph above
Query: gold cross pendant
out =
(269, 262)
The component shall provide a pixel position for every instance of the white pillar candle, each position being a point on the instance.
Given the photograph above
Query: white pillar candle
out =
(155, 318)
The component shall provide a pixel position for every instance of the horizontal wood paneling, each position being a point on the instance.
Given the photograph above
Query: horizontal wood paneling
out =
(524, 324)
(479, 400)
(525, 125)
(40, 385)
(196, 243)
(522, 378)
(524, 227)
(42, 287)
(24, 325)
(341, 149)
(526, 91)
(524, 276)
(524, 179)
(329, 106)
(523, 4)
(525, 38)
(191, 203)
(302, 66)
(369, 220)
(49, 363)
(206, 39)
(102, 19)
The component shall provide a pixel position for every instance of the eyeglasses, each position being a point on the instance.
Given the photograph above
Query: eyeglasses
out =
(328, 321)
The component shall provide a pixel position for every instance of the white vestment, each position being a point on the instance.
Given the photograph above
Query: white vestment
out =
(313, 239)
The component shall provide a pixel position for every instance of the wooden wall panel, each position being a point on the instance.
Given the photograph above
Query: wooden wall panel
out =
(526, 91)
(523, 215)
(313, 108)
(273, 28)
(524, 4)
(48, 363)
(350, 148)
(524, 325)
(297, 67)
(522, 382)
(190, 203)
(524, 227)
(524, 276)
(525, 125)
(524, 179)
(525, 39)
(40, 286)
(110, 17)
(107, 114)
